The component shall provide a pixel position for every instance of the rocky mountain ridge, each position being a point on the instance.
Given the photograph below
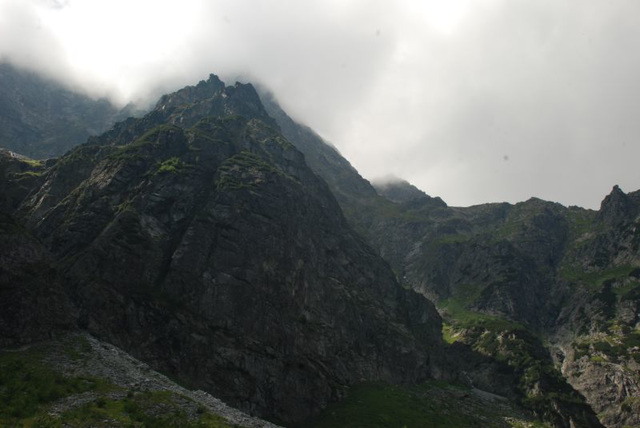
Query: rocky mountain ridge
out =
(197, 239)
(200, 239)
(502, 271)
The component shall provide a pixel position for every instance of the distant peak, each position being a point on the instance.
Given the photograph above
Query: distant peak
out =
(390, 179)
(616, 207)
(213, 81)
(401, 191)
(190, 94)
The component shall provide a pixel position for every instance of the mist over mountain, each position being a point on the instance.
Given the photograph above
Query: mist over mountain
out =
(230, 247)
(41, 119)
(473, 101)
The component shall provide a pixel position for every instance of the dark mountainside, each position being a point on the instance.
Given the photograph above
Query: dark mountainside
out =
(510, 278)
(42, 119)
(198, 240)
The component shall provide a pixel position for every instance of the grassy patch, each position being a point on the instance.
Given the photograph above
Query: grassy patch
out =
(627, 290)
(142, 147)
(172, 166)
(456, 312)
(596, 278)
(78, 349)
(428, 405)
(33, 162)
(449, 334)
(26, 384)
(143, 409)
(616, 343)
(28, 174)
(29, 386)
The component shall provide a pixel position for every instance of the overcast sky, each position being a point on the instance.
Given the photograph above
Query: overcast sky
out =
(474, 101)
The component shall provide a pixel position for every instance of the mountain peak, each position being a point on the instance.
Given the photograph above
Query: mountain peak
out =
(212, 98)
(616, 207)
(401, 191)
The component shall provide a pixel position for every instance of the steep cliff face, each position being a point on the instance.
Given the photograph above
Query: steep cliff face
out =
(198, 239)
(598, 329)
(33, 304)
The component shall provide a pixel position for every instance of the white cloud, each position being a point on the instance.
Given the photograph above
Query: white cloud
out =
(475, 101)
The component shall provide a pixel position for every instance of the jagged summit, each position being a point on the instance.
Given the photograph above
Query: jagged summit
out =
(212, 98)
(617, 207)
(191, 94)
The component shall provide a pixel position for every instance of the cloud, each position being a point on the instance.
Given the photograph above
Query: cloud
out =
(474, 101)
(27, 42)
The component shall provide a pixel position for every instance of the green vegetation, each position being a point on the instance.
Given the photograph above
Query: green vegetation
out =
(153, 134)
(28, 174)
(200, 133)
(172, 165)
(456, 313)
(581, 221)
(630, 403)
(148, 141)
(628, 292)
(79, 154)
(449, 334)
(33, 162)
(433, 404)
(616, 343)
(596, 278)
(30, 385)
(79, 349)
(141, 409)
(223, 129)
(541, 386)
(27, 384)
(245, 170)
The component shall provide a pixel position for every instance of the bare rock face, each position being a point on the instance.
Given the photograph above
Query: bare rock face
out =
(608, 386)
(197, 239)
(33, 305)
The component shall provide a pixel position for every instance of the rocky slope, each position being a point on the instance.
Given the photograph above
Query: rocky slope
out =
(42, 119)
(197, 239)
(566, 274)
(203, 242)
(78, 381)
(492, 269)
